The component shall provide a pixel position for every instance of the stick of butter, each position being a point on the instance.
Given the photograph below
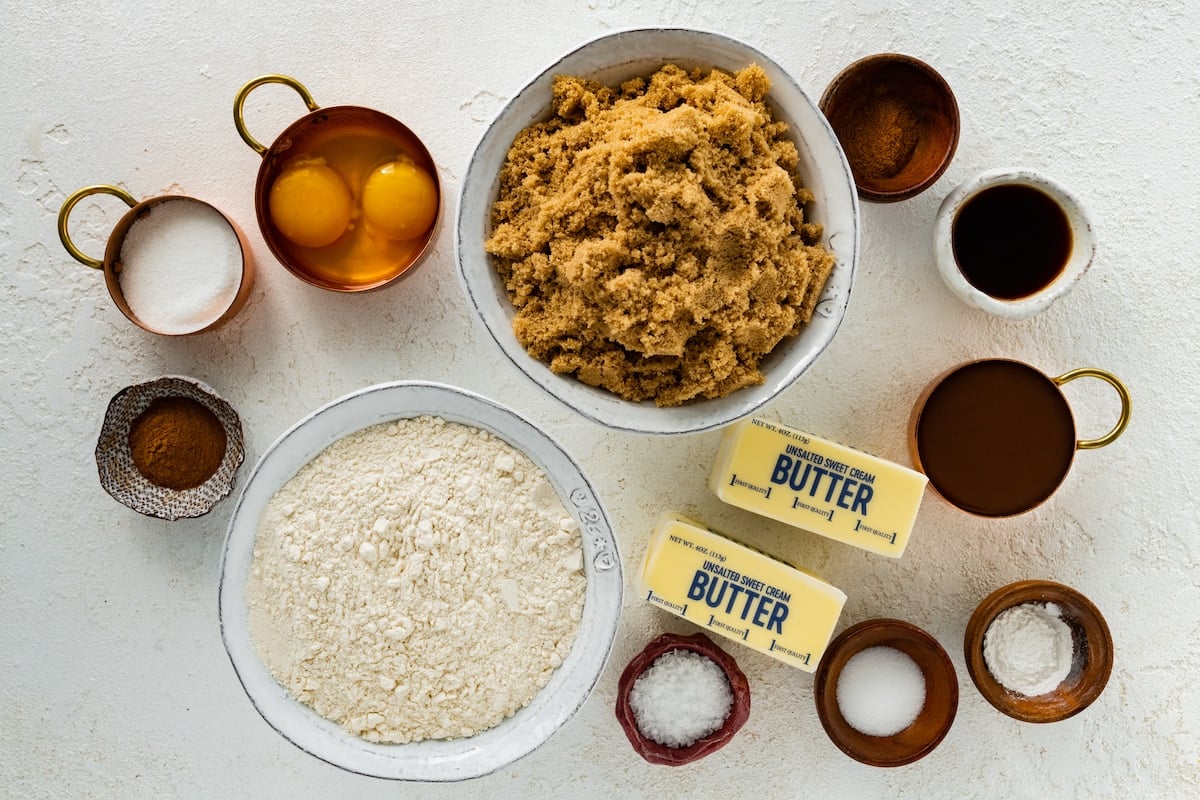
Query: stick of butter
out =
(818, 485)
(740, 593)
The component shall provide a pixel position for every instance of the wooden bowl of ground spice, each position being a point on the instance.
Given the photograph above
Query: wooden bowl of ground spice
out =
(897, 121)
(169, 448)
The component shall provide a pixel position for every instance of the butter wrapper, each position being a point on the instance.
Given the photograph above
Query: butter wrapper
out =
(818, 485)
(740, 593)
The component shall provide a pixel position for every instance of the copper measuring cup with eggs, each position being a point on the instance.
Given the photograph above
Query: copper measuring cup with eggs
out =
(174, 265)
(996, 437)
(347, 198)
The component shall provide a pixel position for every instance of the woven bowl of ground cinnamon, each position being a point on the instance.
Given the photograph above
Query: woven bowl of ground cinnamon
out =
(169, 448)
(897, 121)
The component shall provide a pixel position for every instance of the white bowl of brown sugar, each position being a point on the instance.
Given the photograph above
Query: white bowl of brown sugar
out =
(660, 230)
(418, 584)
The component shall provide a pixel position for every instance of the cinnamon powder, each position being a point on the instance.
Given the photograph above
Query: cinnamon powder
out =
(177, 443)
(880, 135)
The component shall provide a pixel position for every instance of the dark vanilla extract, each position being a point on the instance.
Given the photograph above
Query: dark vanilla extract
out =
(1011, 241)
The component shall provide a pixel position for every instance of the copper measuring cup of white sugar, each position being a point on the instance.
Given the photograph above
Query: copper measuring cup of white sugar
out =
(174, 265)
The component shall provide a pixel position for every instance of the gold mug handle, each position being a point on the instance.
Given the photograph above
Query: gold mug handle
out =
(240, 101)
(65, 212)
(1122, 392)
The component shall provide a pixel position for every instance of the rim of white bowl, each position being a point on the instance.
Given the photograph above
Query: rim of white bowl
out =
(431, 760)
(478, 192)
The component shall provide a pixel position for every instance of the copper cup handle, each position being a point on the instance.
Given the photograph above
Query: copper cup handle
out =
(1122, 392)
(64, 214)
(240, 101)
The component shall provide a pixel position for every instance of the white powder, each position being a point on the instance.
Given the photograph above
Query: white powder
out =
(881, 691)
(681, 698)
(1029, 648)
(416, 580)
(181, 266)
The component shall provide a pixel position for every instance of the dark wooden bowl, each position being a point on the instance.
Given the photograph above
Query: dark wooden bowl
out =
(941, 693)
(1090, 667)
(657, 753)
(895, 78)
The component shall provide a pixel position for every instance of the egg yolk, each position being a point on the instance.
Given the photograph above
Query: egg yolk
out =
(400, 200)
(310, 204)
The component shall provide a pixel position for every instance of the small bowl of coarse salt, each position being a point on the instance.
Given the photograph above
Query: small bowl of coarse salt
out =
(174, 265)
(1038, 651)
(886, 692)
(681, 698)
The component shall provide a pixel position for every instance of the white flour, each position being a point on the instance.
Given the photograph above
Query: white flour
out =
(416, 580)
(1029, 648)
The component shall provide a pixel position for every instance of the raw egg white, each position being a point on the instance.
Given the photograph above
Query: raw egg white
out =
(400, 200)
(310, 203)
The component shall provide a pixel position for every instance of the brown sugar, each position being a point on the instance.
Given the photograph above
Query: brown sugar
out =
(652, 236)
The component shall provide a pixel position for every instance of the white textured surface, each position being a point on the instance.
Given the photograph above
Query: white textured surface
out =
(113, 681)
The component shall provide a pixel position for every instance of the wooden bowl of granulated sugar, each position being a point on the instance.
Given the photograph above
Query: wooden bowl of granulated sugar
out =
(418, 584)
(1038, 651)
(886, 692)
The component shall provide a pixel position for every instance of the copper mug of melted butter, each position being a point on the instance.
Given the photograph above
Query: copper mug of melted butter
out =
(347, 198)
(996, 437)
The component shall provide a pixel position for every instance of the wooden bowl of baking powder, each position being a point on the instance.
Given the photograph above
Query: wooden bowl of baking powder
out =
(1090, 657)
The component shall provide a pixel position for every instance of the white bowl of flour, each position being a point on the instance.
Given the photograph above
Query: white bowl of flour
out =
(418, 584)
